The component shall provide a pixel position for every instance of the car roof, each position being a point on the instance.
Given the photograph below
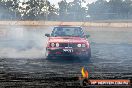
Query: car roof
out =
(68, 26)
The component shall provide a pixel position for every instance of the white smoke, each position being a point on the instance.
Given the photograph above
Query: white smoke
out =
(24, 42)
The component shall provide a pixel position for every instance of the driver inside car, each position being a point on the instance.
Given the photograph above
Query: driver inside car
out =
(59, 32)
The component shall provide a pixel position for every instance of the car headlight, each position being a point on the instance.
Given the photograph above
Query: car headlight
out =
(79, 45)
(52, 44)
(57, 44)
(83, 45)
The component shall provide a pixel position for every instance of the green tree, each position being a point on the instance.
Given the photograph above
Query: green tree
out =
(38, 10)
(53, 13)
(10, 9)
(62, 9)
(99, 10)
(127, 9)
(115, 7)
(72, 11)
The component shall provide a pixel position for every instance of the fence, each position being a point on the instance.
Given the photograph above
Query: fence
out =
(56, 23)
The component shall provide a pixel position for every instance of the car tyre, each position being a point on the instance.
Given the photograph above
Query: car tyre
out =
(48, 56)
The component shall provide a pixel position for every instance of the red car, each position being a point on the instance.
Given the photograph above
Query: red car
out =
(68, 41)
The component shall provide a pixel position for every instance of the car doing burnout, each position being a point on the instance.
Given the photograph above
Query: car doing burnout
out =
(68, 41)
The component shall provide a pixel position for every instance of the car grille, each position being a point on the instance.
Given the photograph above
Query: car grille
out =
(68, 45)
(63, 44)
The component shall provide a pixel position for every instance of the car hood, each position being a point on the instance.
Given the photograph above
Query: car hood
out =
(67, 40)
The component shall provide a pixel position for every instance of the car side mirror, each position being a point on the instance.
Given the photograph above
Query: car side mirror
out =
(87, 36)
(48, 35)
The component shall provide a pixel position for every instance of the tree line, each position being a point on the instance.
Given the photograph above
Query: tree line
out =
(66, 11)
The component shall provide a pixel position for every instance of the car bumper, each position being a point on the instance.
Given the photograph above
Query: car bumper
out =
(77, 52)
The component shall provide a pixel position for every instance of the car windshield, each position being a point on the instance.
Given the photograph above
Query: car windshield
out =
(67, 31)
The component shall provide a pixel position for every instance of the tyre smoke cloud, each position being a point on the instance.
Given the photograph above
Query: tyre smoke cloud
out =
(23, 42)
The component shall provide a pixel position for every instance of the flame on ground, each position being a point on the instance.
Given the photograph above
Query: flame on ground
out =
(84, 73)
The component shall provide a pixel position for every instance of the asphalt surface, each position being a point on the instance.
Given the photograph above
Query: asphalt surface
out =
(22, 56)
